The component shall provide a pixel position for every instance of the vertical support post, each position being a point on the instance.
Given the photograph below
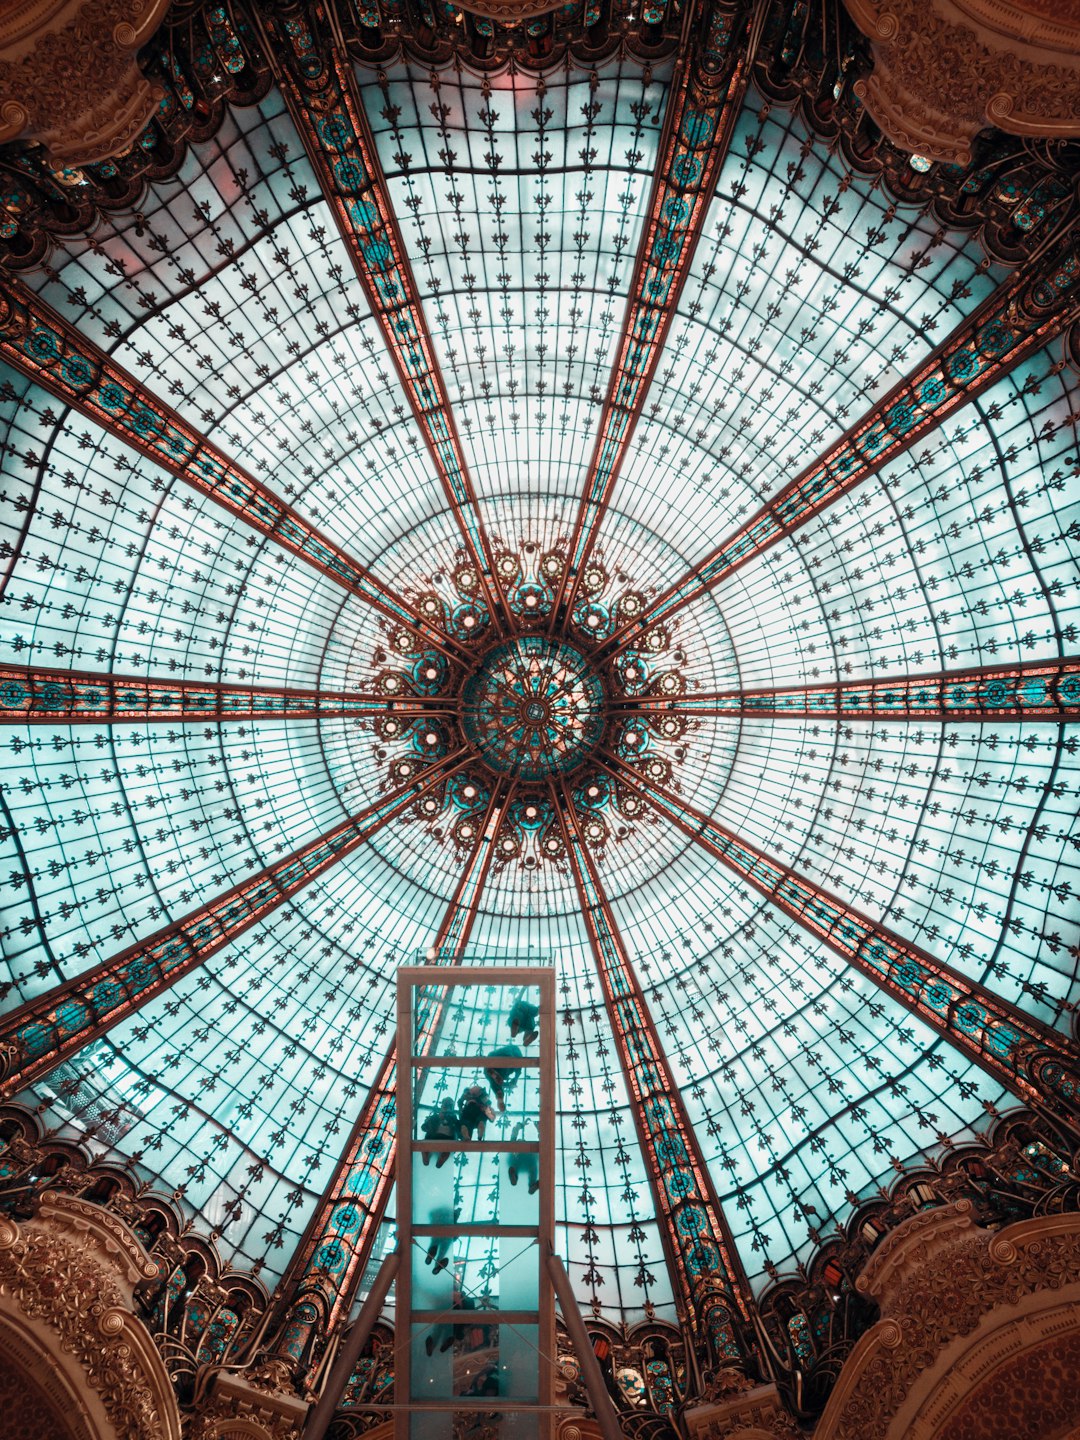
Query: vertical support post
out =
(343, 1367)
(603, 1406)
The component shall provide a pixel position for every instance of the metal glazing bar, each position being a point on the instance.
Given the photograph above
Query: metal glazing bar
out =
(1034, 1062)
(1039, 302)
(43, 346)
(31, 694)
(43, 1032)
(453, 933)
(710, 1284)
(1037, 690)
(706, 93)
(320, 89)
(316, 1292)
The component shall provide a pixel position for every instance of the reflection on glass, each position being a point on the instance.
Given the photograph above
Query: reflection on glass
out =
(466, 1104)
(483, 1189)
(475, 1361)
(523, 1175)
(475, 1272)
(474, 1019)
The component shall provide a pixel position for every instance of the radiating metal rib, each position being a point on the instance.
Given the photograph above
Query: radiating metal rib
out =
(43, 1032)
(1035, 690)
(316, 1292)
(320, 89)
(35, 695)
(707, 89)
(1040, 301)
(710, 1285)
(1038, 1065)
(41, 345)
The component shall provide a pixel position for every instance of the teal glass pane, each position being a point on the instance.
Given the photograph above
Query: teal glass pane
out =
(810, 294)
(463, 1020)
(495, 1101)
(475, 1188)
(481, 1272)
(477, 1361)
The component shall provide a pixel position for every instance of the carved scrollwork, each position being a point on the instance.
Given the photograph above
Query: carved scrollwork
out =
(69, 77)
(67, 1284)
(198, 1313)
(939, 78)
(1024, 1168)
(952, 1281)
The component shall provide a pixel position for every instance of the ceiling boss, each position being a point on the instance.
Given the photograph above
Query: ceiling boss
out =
(538, 704)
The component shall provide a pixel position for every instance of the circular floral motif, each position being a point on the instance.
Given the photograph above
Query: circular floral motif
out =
(534, 708)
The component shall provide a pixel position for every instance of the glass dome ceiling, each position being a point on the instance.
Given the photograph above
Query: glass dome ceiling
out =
(523, 204)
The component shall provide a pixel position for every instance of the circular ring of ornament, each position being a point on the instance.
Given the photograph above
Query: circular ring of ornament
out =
(540, 706)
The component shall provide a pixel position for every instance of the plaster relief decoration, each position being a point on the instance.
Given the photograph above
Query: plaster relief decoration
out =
(943, 70)
(250, 1405)
(960, 1305)
(509, 12)
(70, 1274)
(27, 1411)
(69, 77)
(753, 1413)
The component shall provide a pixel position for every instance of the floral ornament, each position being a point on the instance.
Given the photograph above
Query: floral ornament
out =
(536, 705)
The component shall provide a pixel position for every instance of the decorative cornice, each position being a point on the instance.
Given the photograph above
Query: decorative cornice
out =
(941, 74)
(509, 12)
(941, 1282)
(110, 1236)
(70, 79)
(912, 1245)
(71, 1275)
(249, 1407)
(756, 1414)
(1049, 24)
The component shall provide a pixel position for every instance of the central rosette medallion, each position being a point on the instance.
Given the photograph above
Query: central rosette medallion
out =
(534, 708)
(552, 716)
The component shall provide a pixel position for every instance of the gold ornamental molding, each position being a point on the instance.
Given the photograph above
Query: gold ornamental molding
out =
(963, 1307)
(943, 70)
(756, 1412)
(509, 12)
(67, 1280)
(256, 1404)
(69, 75)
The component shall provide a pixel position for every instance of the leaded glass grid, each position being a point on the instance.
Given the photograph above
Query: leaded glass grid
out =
(810, 293)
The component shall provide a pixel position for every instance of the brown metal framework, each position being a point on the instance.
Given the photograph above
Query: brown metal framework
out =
(45, 1031)
(1040, 1066)
(707, 89)
(713, 1294)
(1037, 690)
(40, 344)
(1040, 301)
(315, 1294)
(41, 696)
(320, 89)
